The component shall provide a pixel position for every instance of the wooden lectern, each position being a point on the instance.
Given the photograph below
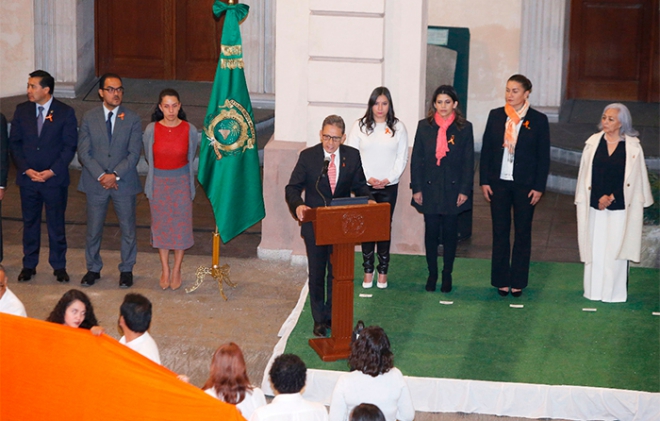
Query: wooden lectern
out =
(343, 227)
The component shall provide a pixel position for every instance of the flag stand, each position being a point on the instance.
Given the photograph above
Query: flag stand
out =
(219, 273)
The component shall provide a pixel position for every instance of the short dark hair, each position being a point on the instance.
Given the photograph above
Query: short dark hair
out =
(370, 352)
(334, 120)
(288, 374)
(108, 76)
(57, 315)
(366, 412)
(136, 311)
(47, 81)
(526, 83)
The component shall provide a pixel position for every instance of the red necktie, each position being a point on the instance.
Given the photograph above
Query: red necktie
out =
(332, 173)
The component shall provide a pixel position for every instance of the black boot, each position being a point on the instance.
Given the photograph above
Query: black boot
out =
(446, 282)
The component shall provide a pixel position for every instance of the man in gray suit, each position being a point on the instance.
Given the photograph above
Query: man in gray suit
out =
(109, 147)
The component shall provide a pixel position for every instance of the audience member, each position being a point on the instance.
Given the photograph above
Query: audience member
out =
(170, 144)
(134, 321)
(229, 382)
(382, 140)
(43, 142)
(9, 302)
(373, 379)
(4, 167)
(366, 412)
(75, 309)
(109, 149)
(324, 171)
(288, 375)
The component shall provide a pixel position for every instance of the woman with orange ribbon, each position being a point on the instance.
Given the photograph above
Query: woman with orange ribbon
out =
(441, 175)
(515, 160)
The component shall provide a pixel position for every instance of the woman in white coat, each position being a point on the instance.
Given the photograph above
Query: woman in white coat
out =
(612, 190)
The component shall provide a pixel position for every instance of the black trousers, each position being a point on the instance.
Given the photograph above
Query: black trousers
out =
(33, 200)
(386, 195)
(320, 286)
(510, 269)
(432, 225)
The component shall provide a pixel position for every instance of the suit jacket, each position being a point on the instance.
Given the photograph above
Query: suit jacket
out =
(53, 149)
(98, 155)
(532, 155)
(441, 185)
(4, 146)
(636, 194)
(309, 168)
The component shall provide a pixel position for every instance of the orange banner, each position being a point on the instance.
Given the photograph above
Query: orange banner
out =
(53, 372)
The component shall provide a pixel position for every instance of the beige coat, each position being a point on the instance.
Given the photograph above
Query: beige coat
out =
(636, 192)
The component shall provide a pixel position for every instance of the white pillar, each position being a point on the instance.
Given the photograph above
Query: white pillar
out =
(542, 42)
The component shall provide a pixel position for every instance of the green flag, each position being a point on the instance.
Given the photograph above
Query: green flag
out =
(228, 159)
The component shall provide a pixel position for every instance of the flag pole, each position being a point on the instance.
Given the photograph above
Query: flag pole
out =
(219, 273)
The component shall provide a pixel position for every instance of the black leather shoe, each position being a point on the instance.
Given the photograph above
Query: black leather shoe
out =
(61, 275)
(89, 278)
(320, 330)
(446, 283)
(125, 279)
(503, 292)
(430, 283)
(26, 274)
(517, 293)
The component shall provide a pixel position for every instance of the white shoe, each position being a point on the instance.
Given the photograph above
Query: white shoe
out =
(367, 285)
(381, 285)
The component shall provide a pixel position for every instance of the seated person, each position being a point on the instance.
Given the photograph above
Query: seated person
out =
(75, 310)
(288, 375)
(228, 381)
(134, 321)
(9, 303)
(373, 379)
(366, 412)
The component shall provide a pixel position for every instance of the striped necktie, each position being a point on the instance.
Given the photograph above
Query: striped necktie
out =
(332, 173)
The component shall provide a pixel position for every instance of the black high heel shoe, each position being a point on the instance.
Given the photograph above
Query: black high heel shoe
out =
(431, 282)
(446, 282)
(503, 292)
(516, 293)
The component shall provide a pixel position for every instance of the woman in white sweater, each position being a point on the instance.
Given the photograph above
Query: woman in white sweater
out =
(373, 379)
(383, 144)
(228, 381)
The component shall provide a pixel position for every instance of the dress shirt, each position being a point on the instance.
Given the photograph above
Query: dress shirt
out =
(46, 107)
(114, 116)
(144, 345)
(10, 304)
(337, 160)
(291, 407)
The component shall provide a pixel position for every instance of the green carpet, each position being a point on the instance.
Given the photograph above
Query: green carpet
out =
(549, 341)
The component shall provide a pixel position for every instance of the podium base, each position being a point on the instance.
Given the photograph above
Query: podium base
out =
(327, 350)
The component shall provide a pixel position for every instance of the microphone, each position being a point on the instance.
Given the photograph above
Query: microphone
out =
(326, 164)
(324, 173)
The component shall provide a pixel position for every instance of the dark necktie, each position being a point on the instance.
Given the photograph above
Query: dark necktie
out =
(108, 125)
(40, 120)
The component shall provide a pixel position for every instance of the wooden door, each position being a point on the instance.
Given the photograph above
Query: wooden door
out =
(157, 39)
(612, 48)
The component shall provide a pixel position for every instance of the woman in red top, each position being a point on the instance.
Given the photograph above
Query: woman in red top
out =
(170, 145)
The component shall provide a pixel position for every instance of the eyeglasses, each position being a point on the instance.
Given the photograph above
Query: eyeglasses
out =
(329, 138)
(112, 90)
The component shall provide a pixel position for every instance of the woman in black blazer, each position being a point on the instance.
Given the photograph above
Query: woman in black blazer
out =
(515, 159)
(442, 172)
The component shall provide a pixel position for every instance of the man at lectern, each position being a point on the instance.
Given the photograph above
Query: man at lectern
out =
(324, 171)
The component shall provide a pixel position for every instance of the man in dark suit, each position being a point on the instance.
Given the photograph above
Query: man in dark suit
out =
(325, 171)
(4, 163)
(42, 142)
(109, 149)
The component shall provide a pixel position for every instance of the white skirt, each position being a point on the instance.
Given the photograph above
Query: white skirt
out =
(606, 277)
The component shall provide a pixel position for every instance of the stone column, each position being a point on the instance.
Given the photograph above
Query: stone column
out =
(64, 42)
(330, 55)
(542, 43)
